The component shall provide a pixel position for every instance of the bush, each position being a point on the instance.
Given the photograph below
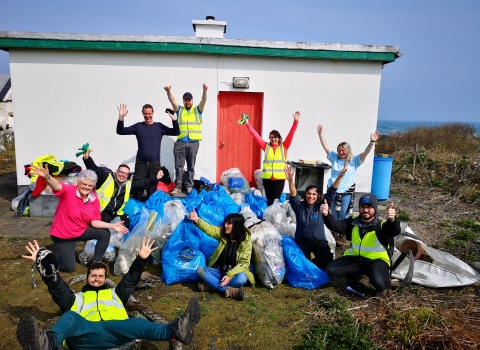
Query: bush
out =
(341, 331)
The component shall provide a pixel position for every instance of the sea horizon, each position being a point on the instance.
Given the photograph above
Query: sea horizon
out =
(387, 127)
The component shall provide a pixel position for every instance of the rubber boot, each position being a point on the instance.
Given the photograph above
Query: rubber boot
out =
(235, 293)
(183, 327)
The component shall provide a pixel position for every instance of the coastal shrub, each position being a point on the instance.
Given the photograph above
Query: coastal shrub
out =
(340, 330)
(468, 224)
(402, 215)
(465, 235)
(457, 138)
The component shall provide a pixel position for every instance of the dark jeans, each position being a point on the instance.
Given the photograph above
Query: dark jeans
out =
(66, 247)
(273, 189)
(185, 152)
(319, 248)
(83, 334)
(352, 267)
(144, 170)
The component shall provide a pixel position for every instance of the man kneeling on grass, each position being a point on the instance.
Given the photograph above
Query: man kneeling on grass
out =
(96, 318)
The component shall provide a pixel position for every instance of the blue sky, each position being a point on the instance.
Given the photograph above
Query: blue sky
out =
(438, 77)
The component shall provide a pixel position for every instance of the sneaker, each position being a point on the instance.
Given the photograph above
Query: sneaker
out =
(202, 287)
(235, 293)
(46, 263)
(32, 337)
(183, 327)
(176, 191)
(189, 189)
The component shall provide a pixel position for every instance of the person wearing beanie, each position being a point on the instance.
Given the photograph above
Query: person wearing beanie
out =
(371, 245)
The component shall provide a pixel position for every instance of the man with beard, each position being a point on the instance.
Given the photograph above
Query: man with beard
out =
(96, 317)
(371, 245)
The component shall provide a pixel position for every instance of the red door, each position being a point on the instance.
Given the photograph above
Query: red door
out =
(236, 147)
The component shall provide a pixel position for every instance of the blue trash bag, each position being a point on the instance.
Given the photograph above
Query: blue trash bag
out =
(193, 200)
(157, 201)
(227, 202)
(182, 254)
(212, 213)
(133, 209)
(301, 272)
(257, 204)
(283, 198)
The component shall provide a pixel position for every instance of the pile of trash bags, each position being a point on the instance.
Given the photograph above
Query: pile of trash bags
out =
(183, 247)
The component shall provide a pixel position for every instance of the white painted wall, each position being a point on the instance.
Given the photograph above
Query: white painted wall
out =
(66, 98)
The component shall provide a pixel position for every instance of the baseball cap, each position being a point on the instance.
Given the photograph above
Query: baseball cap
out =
(369, 199)
(188, 95)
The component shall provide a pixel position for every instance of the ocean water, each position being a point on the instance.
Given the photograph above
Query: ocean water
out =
(387, 127)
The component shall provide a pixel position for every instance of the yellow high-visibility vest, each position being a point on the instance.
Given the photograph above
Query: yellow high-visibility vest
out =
(190, 123)
(103, 305)
(369, 247)
(105, 193)
(50, 159)
(274, 163)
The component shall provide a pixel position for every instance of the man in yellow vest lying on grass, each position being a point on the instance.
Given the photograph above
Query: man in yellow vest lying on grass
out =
(96, 317)
(371, 245)
(114, 189)
(188, 142)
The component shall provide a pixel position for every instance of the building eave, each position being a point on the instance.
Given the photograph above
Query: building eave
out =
(212, 46)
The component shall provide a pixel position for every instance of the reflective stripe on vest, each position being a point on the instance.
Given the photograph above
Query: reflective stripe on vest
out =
(190, 124)
(274, 163)
(369, 247)
(105, 193)
(103, 305)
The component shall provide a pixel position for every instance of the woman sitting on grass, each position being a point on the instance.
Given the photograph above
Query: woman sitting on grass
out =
(229, 266)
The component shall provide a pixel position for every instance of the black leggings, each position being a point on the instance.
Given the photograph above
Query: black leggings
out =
(66, 247)
(273, 189)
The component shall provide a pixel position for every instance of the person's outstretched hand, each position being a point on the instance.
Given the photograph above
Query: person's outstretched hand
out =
(205, 87)
(324, 208)
(146, 248)
(391, 213)
(122, 111)
(375, 136)
(289, 172)
(193, 216)
(43, 172)
(296, 116)
(319, 129)
(32, 249)
(118, 226)
(167, 88)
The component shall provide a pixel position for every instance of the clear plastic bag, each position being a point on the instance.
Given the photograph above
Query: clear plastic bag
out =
(259, 181)
(277, 215)
(127, 251)
(236, 175)
(86, 257)
(116, 238)
(238, 198)
(267, 249)
(110, 254)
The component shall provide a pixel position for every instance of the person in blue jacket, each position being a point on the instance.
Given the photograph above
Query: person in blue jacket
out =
(310, 232)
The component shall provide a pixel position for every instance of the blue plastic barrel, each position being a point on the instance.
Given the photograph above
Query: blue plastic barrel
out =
(382, 173)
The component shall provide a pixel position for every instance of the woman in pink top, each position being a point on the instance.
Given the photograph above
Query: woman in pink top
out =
(273, 173)
(77, 218)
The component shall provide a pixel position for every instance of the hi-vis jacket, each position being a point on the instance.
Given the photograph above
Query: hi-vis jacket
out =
(99, 305)
(274, 163)
(368, 247)
(371, 240)
(190, 123)
(105, 193)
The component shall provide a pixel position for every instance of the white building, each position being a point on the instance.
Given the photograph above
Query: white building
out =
(67, 87)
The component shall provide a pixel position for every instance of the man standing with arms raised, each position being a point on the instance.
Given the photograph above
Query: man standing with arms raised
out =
(149, 138)
(187, 145)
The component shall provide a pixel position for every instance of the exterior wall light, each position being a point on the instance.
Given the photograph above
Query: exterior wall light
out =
(241, 83)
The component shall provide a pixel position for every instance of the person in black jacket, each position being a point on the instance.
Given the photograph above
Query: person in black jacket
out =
(114, 189)
(371, 245)
(96, 317)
